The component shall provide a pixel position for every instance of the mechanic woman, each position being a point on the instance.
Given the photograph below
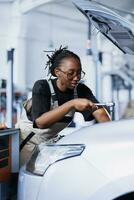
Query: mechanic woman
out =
(54, 102)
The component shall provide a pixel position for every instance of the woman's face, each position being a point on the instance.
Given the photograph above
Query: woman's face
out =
(68, 73)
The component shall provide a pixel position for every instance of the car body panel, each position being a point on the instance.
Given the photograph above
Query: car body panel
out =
(28, 186)
(111, 141)
(103, 168)
(123, 186)
(73, 180)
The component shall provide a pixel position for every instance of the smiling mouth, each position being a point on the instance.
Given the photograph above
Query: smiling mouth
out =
(74, 84)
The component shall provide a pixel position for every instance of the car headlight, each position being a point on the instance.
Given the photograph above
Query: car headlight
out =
(45, 155)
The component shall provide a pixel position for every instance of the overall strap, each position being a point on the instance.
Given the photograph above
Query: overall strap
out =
(24, 142)
(54, 101)
(75, 93)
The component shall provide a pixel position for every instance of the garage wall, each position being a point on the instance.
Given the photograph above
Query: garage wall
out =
(33, 32)
(5, 13)
(41, 35)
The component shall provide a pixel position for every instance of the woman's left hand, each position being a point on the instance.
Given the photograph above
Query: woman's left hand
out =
(3, 126)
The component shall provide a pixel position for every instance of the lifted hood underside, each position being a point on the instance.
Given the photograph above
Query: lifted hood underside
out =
(110, 24)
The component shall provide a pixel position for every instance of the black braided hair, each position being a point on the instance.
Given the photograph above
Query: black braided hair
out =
(57, 56)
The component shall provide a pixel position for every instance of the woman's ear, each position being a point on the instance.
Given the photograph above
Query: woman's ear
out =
(57, 72)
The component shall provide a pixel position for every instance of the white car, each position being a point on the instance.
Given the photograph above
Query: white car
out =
(93, 162)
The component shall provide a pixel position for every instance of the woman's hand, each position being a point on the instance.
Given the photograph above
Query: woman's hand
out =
(3, 126)
(101, 115)
(81, 104)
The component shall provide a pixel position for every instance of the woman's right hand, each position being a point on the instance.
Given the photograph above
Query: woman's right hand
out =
(82, 104)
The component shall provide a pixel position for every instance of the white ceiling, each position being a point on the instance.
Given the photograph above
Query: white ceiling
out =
(6, 1)
(126, 5)
(62, 9)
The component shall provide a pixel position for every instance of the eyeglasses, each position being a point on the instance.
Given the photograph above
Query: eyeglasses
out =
(70, 75)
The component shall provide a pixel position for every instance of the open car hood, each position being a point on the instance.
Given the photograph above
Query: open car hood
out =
(109, 23)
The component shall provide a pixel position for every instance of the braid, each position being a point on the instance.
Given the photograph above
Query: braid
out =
(55, 59)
